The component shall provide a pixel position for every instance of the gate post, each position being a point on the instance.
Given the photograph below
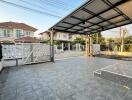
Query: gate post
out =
(31, 50)
(0, 57)
(51, 46)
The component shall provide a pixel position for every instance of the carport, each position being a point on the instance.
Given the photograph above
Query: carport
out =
(72, 79)
(92, 17)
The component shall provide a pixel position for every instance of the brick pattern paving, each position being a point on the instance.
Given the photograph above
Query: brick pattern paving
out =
(70, 79)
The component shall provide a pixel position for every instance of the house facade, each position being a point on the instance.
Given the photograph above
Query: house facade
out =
(64, 40)
(9, 31)
(57, 36)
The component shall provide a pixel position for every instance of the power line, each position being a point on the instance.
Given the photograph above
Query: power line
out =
(60, 3)
(49, 3)
(32, 4)
(29, 9)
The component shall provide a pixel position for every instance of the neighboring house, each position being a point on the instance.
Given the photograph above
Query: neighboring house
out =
(44, 36)
(64, 39)
(9, 31)
(57, 36)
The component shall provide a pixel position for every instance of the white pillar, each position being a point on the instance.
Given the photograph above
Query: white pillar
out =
(79, 47)
(56, 48)
(69, 46)
(62, 46)
(76, 47)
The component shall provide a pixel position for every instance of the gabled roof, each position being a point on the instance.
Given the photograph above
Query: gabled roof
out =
(11, 25)
(45, 32)
(96, 16)
(27, 40)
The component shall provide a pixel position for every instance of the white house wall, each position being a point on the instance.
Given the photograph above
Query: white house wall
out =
(62, 36)
(13, 34)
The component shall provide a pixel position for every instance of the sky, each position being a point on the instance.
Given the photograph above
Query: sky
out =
(50, 12)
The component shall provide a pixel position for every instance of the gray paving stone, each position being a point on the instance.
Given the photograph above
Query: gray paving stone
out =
(70, 79)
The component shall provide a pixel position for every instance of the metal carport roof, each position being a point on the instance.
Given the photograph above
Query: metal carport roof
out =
(96, 16)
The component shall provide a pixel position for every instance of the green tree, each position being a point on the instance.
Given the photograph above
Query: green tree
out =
(44, 41)
(110, 40)
(98, 38)
(56, 42)
(128, 40)
(79, 40)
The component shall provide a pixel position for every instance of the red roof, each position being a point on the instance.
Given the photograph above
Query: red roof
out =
(11, 25)
(28, 40)
(45, 32)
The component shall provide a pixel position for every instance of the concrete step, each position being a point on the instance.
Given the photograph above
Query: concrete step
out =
(117, 78)
(97, 73)
(121, 74)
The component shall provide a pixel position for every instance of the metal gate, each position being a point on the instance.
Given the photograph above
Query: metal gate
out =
(35, 53)
(26, 53)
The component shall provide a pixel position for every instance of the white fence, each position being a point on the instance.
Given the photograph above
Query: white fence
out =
(25, 53)
(96, 49)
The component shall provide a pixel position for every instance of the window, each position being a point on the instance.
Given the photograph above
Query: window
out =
(70, 36)
(18, 33)
(64, 36)
(1, 33)
(6, 33)
(28, 33)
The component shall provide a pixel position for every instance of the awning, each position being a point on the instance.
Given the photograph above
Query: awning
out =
(96, 16)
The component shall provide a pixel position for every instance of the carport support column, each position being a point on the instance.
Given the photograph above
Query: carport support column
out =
(52, 46)
(87, 47)
(90, 46)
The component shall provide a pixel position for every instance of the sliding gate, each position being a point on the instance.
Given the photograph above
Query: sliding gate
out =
(25, 53)
(35, 53)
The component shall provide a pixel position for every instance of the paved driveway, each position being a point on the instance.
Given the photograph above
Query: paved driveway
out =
(70, 79)
(69, 54)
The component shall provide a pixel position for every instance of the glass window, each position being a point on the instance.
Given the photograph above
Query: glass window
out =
(4, 31)
(8, 33)
(28, 33)
(64, 36)
(1, 35)
(18, 33)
